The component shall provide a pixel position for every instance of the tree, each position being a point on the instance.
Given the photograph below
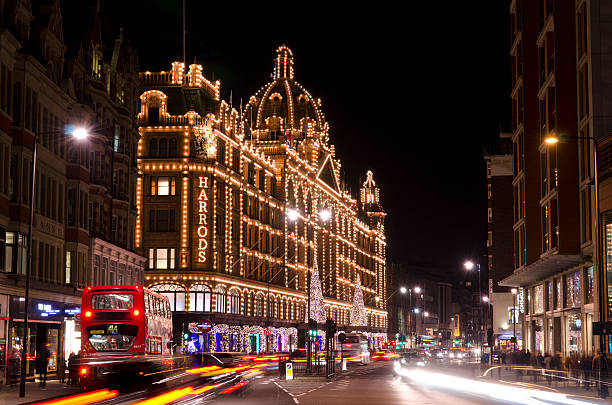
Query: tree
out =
(358, 316)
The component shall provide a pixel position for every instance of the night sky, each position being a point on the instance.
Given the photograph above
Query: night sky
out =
(414, 94)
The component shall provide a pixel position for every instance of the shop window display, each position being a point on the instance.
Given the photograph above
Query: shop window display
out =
(538, 299)
(574, 333)
(572, 281)
(538, 329)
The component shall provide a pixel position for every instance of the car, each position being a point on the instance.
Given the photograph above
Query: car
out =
(414, 358)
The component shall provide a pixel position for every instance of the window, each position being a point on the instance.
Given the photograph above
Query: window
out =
(573, 290)
(234, 301)
(199, 298)
(162, 221)
(175, 294)
(490, 215)
(162, 258)
(172, 147)
(235, 160)
(258, 307)
(68, 267)
(153, 115)
(221, 151)
(220, 299)
(153, 148)
(163, 185)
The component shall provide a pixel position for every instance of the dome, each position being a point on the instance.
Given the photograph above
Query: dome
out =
(283, 103)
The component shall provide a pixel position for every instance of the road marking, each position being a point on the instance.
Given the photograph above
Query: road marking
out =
(297, 401)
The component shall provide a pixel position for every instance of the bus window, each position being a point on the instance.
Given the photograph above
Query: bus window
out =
(112, 301)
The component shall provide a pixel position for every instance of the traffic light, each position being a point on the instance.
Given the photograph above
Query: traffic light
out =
(418, 340)
(312, 328)
(330, 327)
(186, 336)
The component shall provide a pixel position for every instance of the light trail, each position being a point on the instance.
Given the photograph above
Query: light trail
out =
(83, 399)
(501, 392)
(167, 397)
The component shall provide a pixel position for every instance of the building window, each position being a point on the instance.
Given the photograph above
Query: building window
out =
(573, 290)
(258, 305)
(68, 267)
(490, 215)
(163, 185)
(589, 285)
(175, 294)
(234, 301)
(162, 258)
(220, 299)
(162, 221)
(199, 298)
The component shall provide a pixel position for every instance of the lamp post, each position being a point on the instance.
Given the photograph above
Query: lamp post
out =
(402, 290)
(469, 265)
(76, 133)
(597, 246)
(514, 292)
(293, 215)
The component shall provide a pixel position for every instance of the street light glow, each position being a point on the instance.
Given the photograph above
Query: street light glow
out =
(469, 265)
(377, 298)
(80, 133)
(426, 313)
(417, 289)
(514, 291)
(403, 290)
(551, 140)
(485, 299)
(293, 214)
(325, 215)
(416, 310)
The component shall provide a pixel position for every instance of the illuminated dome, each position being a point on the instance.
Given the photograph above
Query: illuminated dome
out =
(283, 104)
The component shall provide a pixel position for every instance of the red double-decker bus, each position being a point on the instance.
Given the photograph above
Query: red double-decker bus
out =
(123, 329)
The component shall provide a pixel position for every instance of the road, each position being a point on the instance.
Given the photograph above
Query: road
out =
(373, 384)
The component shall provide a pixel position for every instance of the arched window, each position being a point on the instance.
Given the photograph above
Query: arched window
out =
(199, 298)
(174, 292)
(220, 299)
(259, 307)
(153, 148)
(163, 148)
(172, 147)
(234, 301)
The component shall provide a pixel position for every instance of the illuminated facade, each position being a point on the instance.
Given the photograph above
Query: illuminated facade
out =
(213, 194)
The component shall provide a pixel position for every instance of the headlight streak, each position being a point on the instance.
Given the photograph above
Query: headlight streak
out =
(497, 391)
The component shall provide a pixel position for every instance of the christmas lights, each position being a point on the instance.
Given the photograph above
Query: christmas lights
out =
(358, 314)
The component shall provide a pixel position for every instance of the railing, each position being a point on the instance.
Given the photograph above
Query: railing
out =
(155, 77)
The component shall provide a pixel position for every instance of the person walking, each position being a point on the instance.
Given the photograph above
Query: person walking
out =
(42, 360)
(600, 372)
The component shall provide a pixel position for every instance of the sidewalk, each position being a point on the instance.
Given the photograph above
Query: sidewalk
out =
(509, 376)
(34, 393)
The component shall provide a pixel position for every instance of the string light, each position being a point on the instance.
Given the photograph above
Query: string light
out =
(249, 236)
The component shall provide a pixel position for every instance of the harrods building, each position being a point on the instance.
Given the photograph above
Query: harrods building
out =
(213, 195)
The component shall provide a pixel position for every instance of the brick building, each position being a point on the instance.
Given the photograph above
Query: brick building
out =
(49, 79)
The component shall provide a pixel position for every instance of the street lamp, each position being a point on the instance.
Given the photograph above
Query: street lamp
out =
(293, 215)
(403, 290)
(514, 291)
(598, 250)
(76, 132)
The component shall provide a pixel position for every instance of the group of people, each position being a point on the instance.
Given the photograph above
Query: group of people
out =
(13, 367)
(585, 370)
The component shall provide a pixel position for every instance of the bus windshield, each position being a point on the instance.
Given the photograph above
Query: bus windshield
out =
(112, 301)
(112, 337)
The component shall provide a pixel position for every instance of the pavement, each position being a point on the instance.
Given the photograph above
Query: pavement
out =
(35, 393)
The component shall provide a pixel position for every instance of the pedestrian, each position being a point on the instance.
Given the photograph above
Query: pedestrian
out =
(575, 368)
(600, 372)
(42, 360)
(586, 365)
(13, 367)
(547, 367)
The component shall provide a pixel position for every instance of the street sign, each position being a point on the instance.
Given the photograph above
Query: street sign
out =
(602, 328)
(289, 371)
(341, 337)
(267, 332)
(204, 326)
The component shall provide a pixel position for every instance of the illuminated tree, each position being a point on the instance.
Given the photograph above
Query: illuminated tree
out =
(317, 306)
(358, 316)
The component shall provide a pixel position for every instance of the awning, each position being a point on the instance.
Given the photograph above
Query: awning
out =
(541, 269)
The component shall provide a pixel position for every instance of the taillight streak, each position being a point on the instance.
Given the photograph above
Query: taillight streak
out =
(87, 398)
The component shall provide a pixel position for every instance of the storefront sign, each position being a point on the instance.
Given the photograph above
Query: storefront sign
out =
(50, 227)
(204, 326)
(202, 214)
(72, 311)
(46, 310)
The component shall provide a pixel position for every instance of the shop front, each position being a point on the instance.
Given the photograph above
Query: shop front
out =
(51, 324)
